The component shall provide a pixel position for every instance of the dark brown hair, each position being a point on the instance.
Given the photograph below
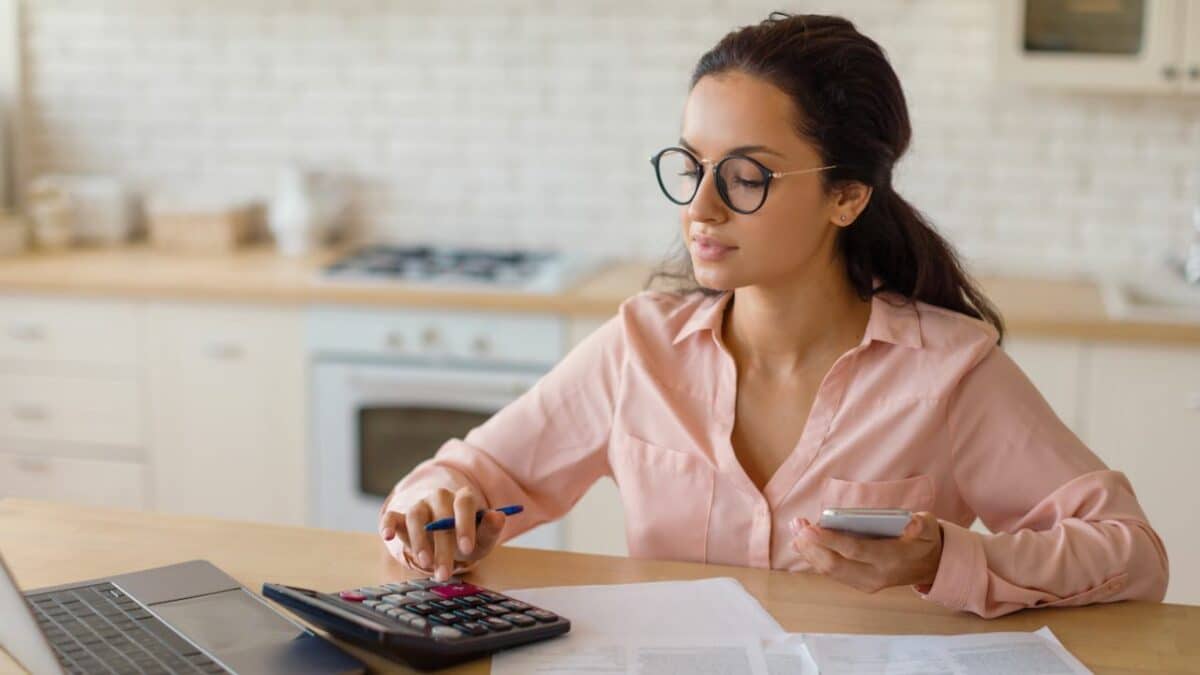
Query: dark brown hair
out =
(853, 110)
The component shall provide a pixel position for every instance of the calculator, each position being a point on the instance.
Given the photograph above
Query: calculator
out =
(425, 623)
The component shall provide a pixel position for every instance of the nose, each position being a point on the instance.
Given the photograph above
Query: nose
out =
(706, 206)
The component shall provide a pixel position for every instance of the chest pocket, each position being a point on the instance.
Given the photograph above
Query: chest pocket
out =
(914, 494)
(667, 495)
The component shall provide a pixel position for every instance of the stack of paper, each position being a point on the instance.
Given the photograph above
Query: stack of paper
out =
(714, 627)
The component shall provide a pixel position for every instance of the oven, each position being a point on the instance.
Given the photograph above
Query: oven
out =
(390, 387)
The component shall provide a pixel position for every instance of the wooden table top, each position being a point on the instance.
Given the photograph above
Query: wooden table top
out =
(48, 543)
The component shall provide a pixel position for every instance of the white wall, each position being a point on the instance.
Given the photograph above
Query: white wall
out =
(532, 121)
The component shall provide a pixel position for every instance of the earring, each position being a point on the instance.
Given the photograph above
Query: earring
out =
(843, 219)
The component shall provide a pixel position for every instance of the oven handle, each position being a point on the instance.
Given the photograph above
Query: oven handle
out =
(509, 388)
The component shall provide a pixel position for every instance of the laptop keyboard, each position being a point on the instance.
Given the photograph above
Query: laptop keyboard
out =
(99, 629)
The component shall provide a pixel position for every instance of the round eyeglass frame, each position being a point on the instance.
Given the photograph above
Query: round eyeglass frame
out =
(767, 176)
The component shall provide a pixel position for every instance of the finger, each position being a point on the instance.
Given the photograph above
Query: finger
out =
(418, 539)
(488, 534)
(923, 526)
(392, 526)
(874, 551)
(833, 565)
(464, 519)
(444, 547)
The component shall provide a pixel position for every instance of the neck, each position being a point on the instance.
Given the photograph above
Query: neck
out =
(786, 328)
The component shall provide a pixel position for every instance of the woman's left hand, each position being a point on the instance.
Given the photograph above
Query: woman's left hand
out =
(873, 564)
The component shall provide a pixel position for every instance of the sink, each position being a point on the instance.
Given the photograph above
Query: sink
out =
(1158, 294)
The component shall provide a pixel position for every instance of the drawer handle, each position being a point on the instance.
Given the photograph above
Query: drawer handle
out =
(224, 351)
(27, 332)
(30, 412)
(33, 465)
(395, 340)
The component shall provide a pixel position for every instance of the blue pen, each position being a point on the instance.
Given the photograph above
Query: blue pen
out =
(448, 523)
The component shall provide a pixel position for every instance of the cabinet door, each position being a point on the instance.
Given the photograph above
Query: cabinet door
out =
(79, 481)
(1190, 68)
(227, 407)
(1119, 45)
(1144, 420)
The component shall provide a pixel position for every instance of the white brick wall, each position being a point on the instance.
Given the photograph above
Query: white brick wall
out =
(530, 122)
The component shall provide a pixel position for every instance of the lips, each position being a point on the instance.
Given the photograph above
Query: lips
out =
(710, 249)
(709, 242)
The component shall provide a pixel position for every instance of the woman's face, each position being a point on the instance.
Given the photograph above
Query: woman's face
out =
(794, 229)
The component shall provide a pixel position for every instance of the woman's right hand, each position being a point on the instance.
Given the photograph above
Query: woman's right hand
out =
(439, 550)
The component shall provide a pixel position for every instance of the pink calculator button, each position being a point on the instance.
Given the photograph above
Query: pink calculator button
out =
(454, 590)
(352, 596)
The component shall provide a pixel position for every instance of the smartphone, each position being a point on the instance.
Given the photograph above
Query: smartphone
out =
(869, 522)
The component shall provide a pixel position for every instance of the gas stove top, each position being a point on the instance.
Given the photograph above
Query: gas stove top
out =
(451, 268)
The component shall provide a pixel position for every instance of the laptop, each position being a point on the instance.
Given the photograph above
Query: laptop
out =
(184, 618)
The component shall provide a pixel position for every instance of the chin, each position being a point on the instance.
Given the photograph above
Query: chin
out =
(716, 279)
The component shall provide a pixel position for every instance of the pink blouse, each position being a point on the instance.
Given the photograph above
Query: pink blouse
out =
(926, 414)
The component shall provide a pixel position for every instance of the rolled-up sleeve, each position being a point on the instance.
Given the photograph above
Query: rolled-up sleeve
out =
(1067, 530)
(543, 450)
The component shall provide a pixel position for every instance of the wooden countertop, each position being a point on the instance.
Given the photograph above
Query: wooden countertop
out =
(46, 543)
(1031, 307)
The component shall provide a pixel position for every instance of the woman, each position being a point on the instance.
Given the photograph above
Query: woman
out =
(828, 350)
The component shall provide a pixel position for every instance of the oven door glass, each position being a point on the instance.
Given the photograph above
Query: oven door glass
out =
(1085, 26)
(392, 440)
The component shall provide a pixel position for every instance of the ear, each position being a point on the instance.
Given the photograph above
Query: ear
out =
(849, 200)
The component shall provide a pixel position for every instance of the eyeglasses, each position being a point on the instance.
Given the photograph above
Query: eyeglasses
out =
(742, 182)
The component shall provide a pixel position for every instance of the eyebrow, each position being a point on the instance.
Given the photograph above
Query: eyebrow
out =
(739, 150)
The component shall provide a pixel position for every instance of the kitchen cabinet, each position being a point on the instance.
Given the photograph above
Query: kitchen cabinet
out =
(1190, 75)
(226, 394)
(1146, 46)
(71, 424)
(1144, 420)
(87, 482)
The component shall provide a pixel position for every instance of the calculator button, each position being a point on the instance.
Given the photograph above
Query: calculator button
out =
(473, 600)
(444, 604)
(422, 608)
(472, 627)
(446, 632)
(401, 588)
(352, 596)
(514, 605)
(393, 598)
(470, 614)
(447, 617)
(542, 615)
(397, 614)
(495, 610)
(420, 623)
(496, 623)
(494, 597)
(372, 604)
(455, 590)
(421, 596)
(519, 619)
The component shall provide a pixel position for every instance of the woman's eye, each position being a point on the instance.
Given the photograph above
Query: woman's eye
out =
(744, 182)
(689, 174)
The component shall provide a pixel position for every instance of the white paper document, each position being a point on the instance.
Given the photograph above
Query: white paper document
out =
(972, 654)
(710, 626)
(714, 627)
